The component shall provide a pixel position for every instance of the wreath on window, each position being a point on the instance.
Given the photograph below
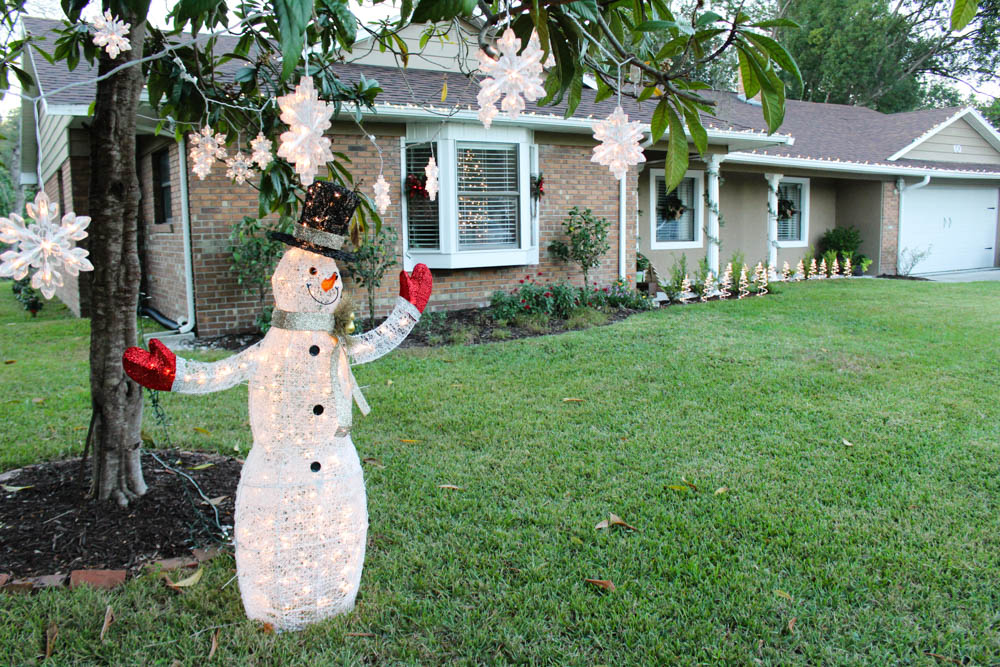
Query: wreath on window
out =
(786, 209)
(416, 187)
(537, 187)
(674, 208)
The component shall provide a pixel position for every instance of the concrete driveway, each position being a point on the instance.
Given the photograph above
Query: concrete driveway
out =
(962, 276)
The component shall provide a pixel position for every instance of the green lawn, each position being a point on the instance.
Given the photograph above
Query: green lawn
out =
(880, 553)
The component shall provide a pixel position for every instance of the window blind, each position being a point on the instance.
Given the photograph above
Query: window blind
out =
(161, 187)
(488, 196)
(675, 211)
(790, 229)
(422, 227)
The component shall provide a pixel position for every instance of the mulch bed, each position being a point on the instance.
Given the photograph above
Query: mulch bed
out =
(49, 527)
(896, 276)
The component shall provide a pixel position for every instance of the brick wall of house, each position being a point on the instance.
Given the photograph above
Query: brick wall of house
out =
(570, 180)
(890, 228)
(161, 245)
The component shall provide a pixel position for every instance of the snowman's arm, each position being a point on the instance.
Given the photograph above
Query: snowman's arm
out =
(199, 377)
(385, 337)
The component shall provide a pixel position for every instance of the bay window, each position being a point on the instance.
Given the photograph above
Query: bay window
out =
(482, 214)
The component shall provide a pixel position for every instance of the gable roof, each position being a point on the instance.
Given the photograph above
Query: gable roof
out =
(971, 116)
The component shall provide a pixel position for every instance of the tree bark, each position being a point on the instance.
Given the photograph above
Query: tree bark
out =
(114, 209)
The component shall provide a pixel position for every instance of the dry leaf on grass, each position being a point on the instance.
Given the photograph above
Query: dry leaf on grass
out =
(782, 594)
(38, 401)
(849, 444)
(722, 489)
(943, 658)
(677, 487)
(50, 639)
(109, 618)
(203, 466)
(214, 501)
(449, 486)
(408, 441)
(603, 584)
(215, 643)
(267, 628)
(373, 462)
(203, 431)
(791, 625)
(576, 540)
(187, 582)
(572, 400)
(14, 489)
(359, 634)
(11, 361)
(614, 520)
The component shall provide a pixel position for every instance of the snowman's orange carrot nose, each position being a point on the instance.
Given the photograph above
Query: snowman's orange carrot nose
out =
(328, 283)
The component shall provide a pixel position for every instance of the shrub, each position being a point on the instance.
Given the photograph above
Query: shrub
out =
(829, 256)
(840, 240)
(27, 295)
(375, 256)
(254, 257)
(622, 295)
(584, 318)
(672, 287)
(533, 322)
(588, 240)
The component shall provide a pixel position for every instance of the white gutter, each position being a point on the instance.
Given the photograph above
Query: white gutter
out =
(903, 187)
(622, 208)
(856, 167)
(186, 325)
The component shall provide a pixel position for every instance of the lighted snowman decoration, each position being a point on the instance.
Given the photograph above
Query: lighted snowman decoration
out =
(301, 514)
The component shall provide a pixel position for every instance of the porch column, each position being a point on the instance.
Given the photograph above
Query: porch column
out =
(772, 219)
(712, 232)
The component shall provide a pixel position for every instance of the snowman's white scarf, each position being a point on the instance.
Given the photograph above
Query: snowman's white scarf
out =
(325, 322)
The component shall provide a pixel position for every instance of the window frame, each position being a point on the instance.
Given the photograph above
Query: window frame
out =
(162, 204)
(803, 241)
(446, 140)
(699, 211)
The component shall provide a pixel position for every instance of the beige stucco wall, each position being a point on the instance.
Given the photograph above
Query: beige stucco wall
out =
(859, 204)
(743, 206)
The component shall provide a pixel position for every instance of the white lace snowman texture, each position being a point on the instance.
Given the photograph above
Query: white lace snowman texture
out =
(301, 512)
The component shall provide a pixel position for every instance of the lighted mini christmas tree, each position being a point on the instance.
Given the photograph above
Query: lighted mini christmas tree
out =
(727, 282)
(760, 279)
(835, 269)
(786, 272)
(710, 289)
(800, 271)
(744, 283)
(822, 269)
(686, 293)
(812, 269)
(847, 267)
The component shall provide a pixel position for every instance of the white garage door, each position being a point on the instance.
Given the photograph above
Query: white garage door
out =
(958, 224)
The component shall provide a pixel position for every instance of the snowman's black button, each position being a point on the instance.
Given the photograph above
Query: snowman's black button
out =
(317, 409)
(315, 466)
(314, 350)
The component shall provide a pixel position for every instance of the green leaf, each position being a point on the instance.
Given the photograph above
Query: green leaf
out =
(707, 18)
(604, 91)
(661, 26)
(776, 23)
(660, 121)
(777, 53)
(584, 9)
(430, 11)
(646, 93)
(772, 91)
(575, 92)
(72, 9)
(677, 151)
(347, 24)
(962, 12)
(699, 136)
(751, 86)
(293, 16)
(193, 10)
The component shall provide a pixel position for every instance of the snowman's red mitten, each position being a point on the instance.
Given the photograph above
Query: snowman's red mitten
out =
(416, 287)
(155, 369)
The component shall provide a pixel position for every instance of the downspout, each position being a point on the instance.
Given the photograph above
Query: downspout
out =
(903, 187)
(186, 325)
(622, 208)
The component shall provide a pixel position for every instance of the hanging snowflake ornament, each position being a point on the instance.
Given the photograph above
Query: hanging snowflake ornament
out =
(431, 172)
(515, 76)
(260, 147)
(206, 147)
(111, 34)
(619, 148)
(240, 168)
(45, 245)
(381, 188)
(307, 117)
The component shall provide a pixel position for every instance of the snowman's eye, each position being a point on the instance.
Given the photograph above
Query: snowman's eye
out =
(312, 270)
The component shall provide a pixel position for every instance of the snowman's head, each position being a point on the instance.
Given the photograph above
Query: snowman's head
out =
(306, 282)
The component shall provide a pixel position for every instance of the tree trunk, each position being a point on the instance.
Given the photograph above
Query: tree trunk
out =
(114, 209)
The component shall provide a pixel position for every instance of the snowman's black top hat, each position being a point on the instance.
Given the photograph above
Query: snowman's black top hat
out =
(323, 226)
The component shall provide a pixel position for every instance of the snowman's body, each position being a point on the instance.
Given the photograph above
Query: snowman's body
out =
(301, 513)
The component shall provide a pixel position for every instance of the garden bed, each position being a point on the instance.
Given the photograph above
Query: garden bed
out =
(47, 527)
